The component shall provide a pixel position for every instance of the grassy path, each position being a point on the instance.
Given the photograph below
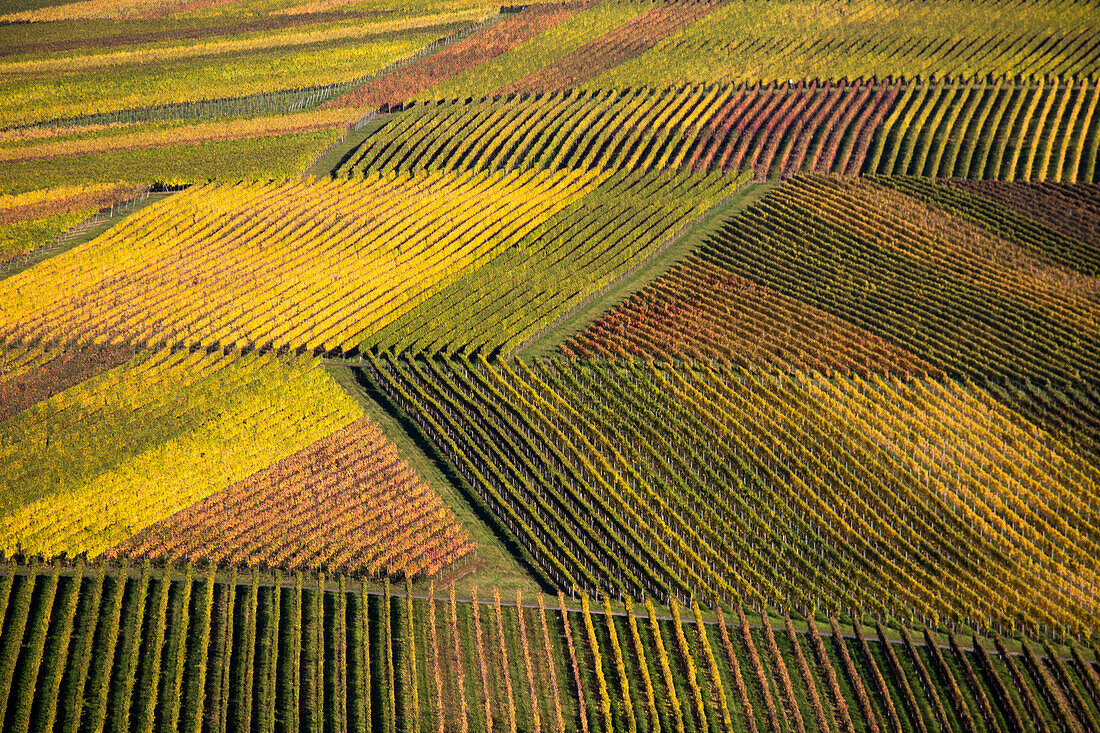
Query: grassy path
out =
(496, 565)
(592, 309)
(84, 231)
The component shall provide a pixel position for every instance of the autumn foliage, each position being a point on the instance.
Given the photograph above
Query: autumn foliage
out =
(346, 503)
(394, 88)
(629, 40)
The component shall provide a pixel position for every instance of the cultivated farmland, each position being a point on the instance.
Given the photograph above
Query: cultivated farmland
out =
(596, 366)
(90, 464)
(813, 39)
(606, 504)
(191, 649)
(1000, 130)
(347, 503)
(866, 240)
(230, 288)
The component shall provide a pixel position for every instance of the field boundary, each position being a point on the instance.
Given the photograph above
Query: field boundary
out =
(86, 230)
(657, 263)
(492, 554)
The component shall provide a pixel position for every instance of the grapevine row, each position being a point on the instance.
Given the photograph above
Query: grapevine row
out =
(732, 497)
(1007, 129)
(229, 651)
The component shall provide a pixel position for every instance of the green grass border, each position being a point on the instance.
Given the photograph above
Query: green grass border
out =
(497, 565)
(41, 254)
(549, 343)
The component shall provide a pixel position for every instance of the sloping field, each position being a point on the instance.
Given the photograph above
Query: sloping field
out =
(252, 460)
(218, 260)
(1002, 130)
(586, 24)
(612, 230)
(617, 46)
(501, 37)
(347, 503)
(36, 91)
(184, 647)
(86, 467)
(1059, 221)
(702, 310)
(699, 366)
(753, 485)
(173, 160)
(752, 294)
(961, 299)
(761, 40)
(724, 128)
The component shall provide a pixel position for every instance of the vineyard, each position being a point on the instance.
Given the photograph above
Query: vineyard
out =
(393, 89)
(39, 90)
(755, 40)
(606, 502)
(34, 217)
(581, 250)
(129, 446)
(170, 474)
(968, 128)
(702, 310)
(1054, 220)
(347, 503)
(191, 293)
(186, 649)
(617, 46)
(575, 231)
(572, 366)
(966, 308)
(969, 293)
(582, 26)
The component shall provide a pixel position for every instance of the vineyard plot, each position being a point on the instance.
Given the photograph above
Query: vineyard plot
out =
(724, 128)
(274, 650)
(918, 498)
(945, 128)
(119, 77)
(1007, 130)
(347, 503)
(294, 265)
(33, 218)
(761, 40)
(627, 41)
(394, 88)
(583, 366)
(944, 289)
(751, 296)
(35, 374)
(87, 467)
(1060, 222)
(583, 26)
(701, 310)
(1073, 211)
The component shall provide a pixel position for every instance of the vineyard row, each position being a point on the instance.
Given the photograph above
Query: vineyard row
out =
(181, 652)
(1008, 129)
(724, 485)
